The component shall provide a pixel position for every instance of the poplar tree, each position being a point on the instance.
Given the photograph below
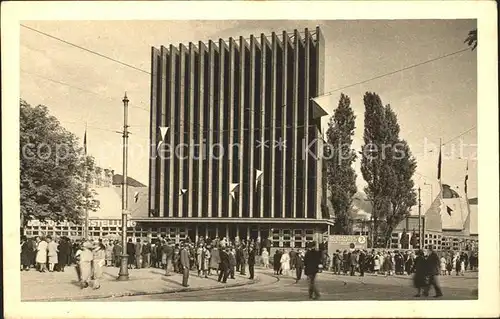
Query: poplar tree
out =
(341, 177)
(387, 165)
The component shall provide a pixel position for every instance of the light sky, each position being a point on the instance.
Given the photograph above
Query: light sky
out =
(432, 101)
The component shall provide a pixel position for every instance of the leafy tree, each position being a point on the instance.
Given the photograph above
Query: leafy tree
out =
(53, 169)
(471, 39)
(387, 166)
(371, 163)
(341, 177)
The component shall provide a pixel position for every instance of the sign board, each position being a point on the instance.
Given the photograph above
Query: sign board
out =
(346, 242)
(92, 223)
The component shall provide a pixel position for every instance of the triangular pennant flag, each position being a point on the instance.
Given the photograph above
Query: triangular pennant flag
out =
(136, 197)
(258, 177)
(318, 109)
(163, 132)
(182, 191)
(449, 210)
(234, 189)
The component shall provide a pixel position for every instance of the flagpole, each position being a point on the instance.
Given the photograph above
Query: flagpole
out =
(86, 228)
(466, 196)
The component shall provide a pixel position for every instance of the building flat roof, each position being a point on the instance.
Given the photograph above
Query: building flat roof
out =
(233, 220)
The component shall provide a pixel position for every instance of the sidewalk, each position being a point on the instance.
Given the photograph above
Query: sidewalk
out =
(64, 286)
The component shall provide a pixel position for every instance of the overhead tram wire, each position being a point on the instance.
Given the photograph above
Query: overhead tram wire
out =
(110, 58)
(322, 95)
(78, 88)
(203, 131)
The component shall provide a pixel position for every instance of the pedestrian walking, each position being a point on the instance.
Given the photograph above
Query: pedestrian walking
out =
(98, 263)
(362, 263)
(244, 260)
(52, 250)
(117, 252)
(63, 253)
(41, 255)
(214, 260)
(432, 264)
(232, 262)
(146, 254)
(277, 262)
(299, 265)
(285, 263)
(86, 258)
(265, 258)
(223, 265)
(312, 262)
(184, 260)
(138, 254)
(109, 253)
(26, 253)
(131, 253)
(420, 276)
(251, 261)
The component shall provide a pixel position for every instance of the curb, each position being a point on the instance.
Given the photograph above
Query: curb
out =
(128, 294)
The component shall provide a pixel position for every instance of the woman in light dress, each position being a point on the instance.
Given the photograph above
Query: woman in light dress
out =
(86, 256)
(265, 258)
(376, 263)
(109, 253)
(285, 263)
(443, 265)
(41, 255)
(99, 260)
(52, 250)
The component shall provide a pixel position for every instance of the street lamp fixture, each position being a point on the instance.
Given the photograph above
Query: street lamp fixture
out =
(123, 274)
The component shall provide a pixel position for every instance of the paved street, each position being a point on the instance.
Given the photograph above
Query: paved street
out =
(151, 285)
(332, 287)
(63, 286)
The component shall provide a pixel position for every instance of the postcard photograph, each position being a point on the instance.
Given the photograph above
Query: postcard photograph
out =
(249, 160)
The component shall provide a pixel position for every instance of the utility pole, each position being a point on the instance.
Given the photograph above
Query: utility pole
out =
(419, 220)
(123, 274)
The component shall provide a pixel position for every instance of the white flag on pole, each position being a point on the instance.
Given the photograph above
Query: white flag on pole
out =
(258, 177)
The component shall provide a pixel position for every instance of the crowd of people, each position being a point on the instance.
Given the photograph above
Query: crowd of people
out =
(224, 258)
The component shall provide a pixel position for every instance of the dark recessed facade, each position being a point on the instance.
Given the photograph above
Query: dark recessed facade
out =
(235, 160)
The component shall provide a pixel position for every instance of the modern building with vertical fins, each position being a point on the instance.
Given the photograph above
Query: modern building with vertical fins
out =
(236, 139)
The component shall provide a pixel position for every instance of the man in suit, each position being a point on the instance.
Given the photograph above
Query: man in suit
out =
(251, 261)
(130, 253)
(184, 259)
(138, 254)
(362, 263)
(169, 252)
(299, 265)
(433, 269)
(224, 264)
(117, 251)
(293, 259)
(244, 260)
(312, 260)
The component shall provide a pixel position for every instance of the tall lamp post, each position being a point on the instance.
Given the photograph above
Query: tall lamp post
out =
(123, 274)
